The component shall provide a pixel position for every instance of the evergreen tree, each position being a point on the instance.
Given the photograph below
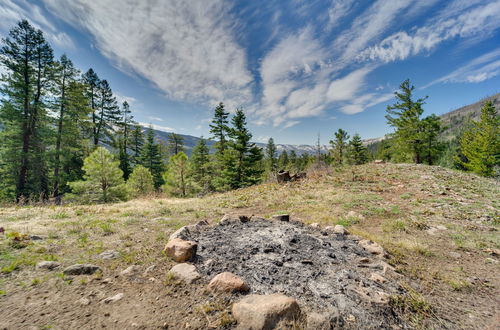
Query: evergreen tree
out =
(140, 181)
(283, 161)
(125, 125)
(108, 113)
(151, 158)
(27, 58)
(339, 146)
(136, 143)
(242, 158)
(175, 143)
(200, 166)
(404, 116)
(219, 129)
(431, 128)
(70, 112)
(92, 82)
(103, 179)
(292, 160)
(358, 153)
(271, 159)
(480, 145)
(176, 176)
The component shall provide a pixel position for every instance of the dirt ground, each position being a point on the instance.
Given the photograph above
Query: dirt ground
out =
(439, 226)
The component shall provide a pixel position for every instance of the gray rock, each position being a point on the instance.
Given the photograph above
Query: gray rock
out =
(281, 217)
(114, 298)
(109, 254)
(181, 233)
(36, 238)
(81, 269)
(339, 229)
(130, 271)
(185, 272)
(48, 265)
(323, 321)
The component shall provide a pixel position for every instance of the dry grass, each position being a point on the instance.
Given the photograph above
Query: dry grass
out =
(394, 205)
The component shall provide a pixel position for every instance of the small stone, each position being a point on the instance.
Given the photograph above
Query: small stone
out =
(265, 311)
(281, 217)
(130, 271)
(228, 282)
(339, 229)
(48, 265)
(109, 254)
(493, 251)
(181, 250)
(323, 320)
(491, 261)
(81, 269)
(378, 278)
(185, 272)
(83, 301)
(315, 225)
(36, 238)
(455, 255)
(149, 269)
(377, 297)
(372, 247)
(114, 298)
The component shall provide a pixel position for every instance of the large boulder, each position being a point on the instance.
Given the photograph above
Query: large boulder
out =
(81, 269)
(265, 311)
(181, 250)
(185, 272)
(228, 282)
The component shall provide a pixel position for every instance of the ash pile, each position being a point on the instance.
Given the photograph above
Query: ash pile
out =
(339, 278)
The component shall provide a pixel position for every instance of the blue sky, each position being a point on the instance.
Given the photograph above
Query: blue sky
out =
(297, 67)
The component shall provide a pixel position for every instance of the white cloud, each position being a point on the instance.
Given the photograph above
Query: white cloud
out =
(122, 98)
(11, 13)
(157, 127)
(476, 22)
(186, 48)
(361, 103)
(155, 118)
(479, 69)
(338, 10)
(346, 88)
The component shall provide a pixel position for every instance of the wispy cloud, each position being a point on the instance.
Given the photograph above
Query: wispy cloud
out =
(187, 48)
(479, 69)
(157, 127)
(12, 12)
(155, 118)
(476, 22)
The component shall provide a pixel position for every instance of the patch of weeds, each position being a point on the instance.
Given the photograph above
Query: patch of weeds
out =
(460, 285)
(348, 221)
(62, 276)
(394, 226)
(36, 281)
(395, 210)
(3, 292)
(83, 239)
(131, 222)
(406, 196)
(106, 228)
(164, 211)
(79, 212)
(161, 236)
(459, 240)
(17, 240)
(412, 304)
(171, 280)
(60, 215)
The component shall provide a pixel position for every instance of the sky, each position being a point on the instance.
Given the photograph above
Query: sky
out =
(298, 68)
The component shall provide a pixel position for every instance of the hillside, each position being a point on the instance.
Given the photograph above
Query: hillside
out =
(439, 228)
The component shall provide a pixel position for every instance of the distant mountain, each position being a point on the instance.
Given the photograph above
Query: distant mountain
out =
(190, 141)
(453, 120)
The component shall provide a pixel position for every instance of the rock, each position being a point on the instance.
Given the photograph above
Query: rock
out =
(281, 217)
(35, 238)
(114, 298)
(130, 271)
(372, 247)
(227, 219)
(243, 218)
(256, 218)
(265, 311)
(378, 161)
(377, 278)
(185, 272)
(298, 176)
(491, 261)
(315, 225)
(455, 255)
(48, 265)
(228, 282)
(371, 296)
(149, 269)
(83, 301)
(81, 269)
(323, 321)
(181, 233)
(493, 251)
(339, 229)
(181, 250)
(109, 254)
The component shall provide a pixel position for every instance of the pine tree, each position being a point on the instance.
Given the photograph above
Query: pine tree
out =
(70, 112)
(219, 129)
(103, 179)
(125, 125)
(136, 143)
(404, 116)
(480, 145)
(108, 113)
(140, 182)
(200, 166)
(431, 128)
(271, 159)
(283, 161)
(292, 160)
(175, 143)
(92, 82)
(242, 158)
(151, 158)
(176, 176)
(358, 153)
(339, 146)
(28, 59)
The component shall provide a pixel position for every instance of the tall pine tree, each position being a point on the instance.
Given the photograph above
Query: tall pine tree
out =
(339, 146)
(200, 166)
(151, 158)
